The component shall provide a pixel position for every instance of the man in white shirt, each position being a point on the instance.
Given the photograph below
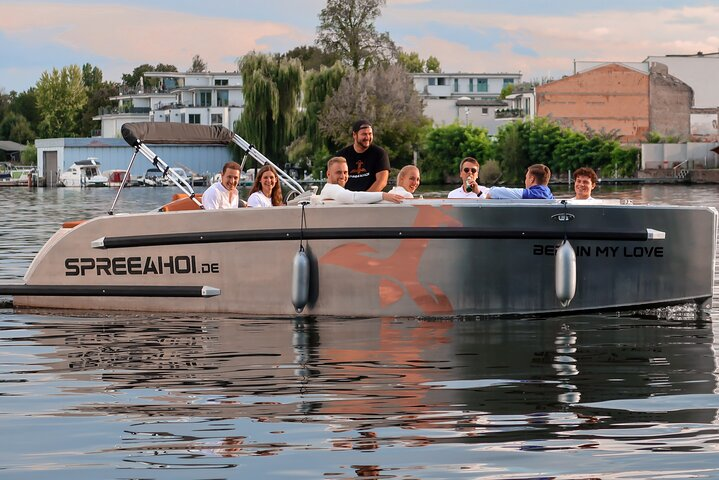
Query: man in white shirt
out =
(468, 172)
(224, 194)
(407, 181)
(337, 176)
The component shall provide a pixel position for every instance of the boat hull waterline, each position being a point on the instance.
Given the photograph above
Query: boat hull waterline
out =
(421, 258)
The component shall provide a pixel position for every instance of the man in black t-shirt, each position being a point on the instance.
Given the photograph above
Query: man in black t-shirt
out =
(368, 164)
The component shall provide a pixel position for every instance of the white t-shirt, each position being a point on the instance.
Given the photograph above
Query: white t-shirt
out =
(258, 199)
(217, 196)
(462, 193)
(332, 191)
(398, 190)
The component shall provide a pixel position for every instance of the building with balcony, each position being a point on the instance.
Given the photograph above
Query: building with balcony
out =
(206, 98)
(467, 98)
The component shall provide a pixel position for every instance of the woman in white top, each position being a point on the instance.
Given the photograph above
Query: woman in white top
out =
(266, 190)
(407, 181)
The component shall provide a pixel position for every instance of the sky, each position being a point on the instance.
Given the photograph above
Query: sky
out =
(538, 38)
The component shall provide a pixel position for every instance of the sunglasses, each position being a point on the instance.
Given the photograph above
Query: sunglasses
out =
(467, 170)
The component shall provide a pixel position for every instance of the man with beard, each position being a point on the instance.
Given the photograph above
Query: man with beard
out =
(368, 164)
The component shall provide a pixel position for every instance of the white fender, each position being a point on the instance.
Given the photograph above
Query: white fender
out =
(300, 280)
(565, 273)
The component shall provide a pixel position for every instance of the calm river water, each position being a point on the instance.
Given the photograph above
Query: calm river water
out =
(139, 396)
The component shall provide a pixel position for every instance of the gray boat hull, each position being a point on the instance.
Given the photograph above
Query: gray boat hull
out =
(421, 258)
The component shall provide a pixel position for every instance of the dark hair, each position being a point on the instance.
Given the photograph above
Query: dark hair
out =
(360, 124)
(541, 173)
(586, 172)
(276, 194)
(231, 166)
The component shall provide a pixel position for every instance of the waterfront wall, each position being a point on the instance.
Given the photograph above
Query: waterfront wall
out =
(687, 156)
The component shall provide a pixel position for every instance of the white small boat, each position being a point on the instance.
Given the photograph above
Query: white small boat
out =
(153, 178)
(83, 173)
(15, 174)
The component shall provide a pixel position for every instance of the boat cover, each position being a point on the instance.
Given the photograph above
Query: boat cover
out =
(175, 133)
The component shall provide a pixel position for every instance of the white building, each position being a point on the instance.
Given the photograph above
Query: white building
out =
(467, 98)
(207, 98)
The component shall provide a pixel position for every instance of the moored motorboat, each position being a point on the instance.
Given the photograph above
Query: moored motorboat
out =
(83, 173)
(117, 178)
(425, 257)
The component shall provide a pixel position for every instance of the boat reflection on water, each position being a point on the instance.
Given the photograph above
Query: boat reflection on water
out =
(369, 383)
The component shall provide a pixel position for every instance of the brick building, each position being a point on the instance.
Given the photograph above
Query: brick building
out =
(630, 99)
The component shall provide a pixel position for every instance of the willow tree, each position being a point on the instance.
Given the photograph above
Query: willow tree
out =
(272, 87)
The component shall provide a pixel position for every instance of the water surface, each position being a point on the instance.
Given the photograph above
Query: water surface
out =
(133, 396)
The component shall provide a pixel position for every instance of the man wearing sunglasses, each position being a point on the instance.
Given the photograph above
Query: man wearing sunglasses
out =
(468, 172)
(368, 164)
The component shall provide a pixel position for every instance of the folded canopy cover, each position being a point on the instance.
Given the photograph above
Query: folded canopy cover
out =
(175, 133)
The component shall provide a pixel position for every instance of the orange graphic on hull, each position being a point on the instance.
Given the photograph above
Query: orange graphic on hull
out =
(399, 271)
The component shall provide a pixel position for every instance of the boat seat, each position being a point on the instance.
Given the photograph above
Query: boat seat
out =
(72, 223)
(181, 201)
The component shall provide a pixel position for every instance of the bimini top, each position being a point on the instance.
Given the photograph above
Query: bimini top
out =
(175, 133)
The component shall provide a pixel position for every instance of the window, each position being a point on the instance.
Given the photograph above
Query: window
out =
(205, 98)
(471, 84)
(441, 81)
(193, 118)
(432, 81)
(485, 110)
(216, 119)
(223, 98)
(508, 81)
(481, 85)
(221, 82)
(456, 85)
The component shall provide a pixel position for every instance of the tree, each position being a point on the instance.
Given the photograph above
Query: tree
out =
(15, 127)
(445, 147)
(506, 91)
(311, 57)
(312, 146)
(198, 65)
(61, 99)
(347, 30)
(25, 104)
(132, 80)
(432, 64)
(511, 150)
(411, 62)
(91, 76)
(272, 88)
(414, 64)
(98, 98)
(29, 155)
(385, 96)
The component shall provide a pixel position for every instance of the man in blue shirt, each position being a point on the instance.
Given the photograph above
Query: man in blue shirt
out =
(535, 181)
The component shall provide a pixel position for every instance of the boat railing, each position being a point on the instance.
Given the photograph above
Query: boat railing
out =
(249, 149)
(137, 134)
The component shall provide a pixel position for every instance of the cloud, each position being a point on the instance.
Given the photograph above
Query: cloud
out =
(134, 35)
(553, 40)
